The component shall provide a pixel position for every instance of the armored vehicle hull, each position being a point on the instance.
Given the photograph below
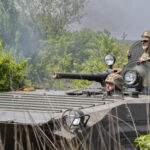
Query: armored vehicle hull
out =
(39, 121)
(34, 121)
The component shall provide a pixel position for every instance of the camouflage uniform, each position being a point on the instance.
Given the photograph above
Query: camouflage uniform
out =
(115, 79)
(145, 56)
(146, 36)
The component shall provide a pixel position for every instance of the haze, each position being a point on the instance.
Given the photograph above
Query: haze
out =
(117, 16)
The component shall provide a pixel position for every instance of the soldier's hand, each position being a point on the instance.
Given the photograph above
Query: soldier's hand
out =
(141, 59)
(117, 70)
(128, 53)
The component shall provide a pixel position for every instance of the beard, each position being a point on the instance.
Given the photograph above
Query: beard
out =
(144, 47)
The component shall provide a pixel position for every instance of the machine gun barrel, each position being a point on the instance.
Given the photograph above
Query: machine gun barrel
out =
(91, 76)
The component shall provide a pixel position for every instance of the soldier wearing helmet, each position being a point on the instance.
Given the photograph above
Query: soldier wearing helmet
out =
(145, 41)
(114, 84)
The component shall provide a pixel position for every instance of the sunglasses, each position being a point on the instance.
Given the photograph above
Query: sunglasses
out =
(144, 41)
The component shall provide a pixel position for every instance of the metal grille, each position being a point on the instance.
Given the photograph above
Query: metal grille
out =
(22, 101)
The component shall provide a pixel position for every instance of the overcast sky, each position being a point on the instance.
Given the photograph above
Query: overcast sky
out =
(117, 16)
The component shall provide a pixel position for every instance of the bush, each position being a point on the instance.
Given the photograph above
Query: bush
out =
(143, 142)
(12, 74)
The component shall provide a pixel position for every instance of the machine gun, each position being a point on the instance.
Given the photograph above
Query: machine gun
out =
(98, 77)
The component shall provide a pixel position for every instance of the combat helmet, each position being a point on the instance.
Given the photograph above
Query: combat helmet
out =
(115, 79)
(146, 35)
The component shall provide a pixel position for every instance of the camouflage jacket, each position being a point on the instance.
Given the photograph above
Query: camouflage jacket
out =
(146, 55)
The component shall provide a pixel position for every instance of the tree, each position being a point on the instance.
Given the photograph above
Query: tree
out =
(78, 52)
(8, 21)
(50, 17)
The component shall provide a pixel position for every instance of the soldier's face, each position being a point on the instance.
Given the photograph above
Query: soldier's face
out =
(145, 44)
(110, 87)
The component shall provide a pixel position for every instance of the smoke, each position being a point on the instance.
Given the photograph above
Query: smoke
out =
(118, 17)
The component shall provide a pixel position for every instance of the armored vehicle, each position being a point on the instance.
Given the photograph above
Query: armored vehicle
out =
(83, 119)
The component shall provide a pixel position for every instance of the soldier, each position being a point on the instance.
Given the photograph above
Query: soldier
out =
(114, 84)
(145, 41)
(145, 38)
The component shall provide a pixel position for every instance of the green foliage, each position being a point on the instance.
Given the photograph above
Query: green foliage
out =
(143, 142)
(24, 23)
(13, 32)
(77, 52)
(12, 74)
(8, 21)
(50, 18)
